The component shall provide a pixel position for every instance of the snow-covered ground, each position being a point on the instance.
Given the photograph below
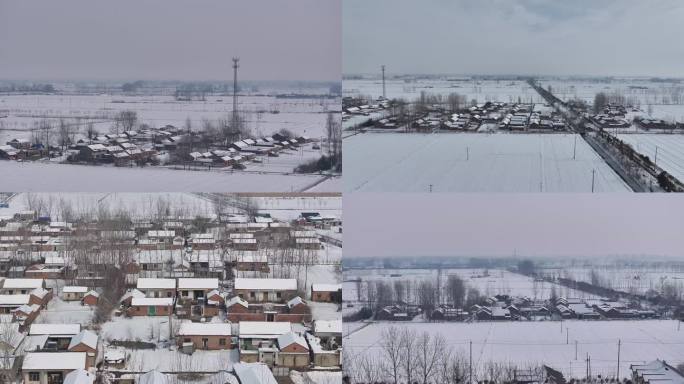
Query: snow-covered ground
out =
(670, 150)
(641, 91)
(550, 343)
(632, 279)
(300, 116)
(505, 91)
(30, 176)
(474, 163)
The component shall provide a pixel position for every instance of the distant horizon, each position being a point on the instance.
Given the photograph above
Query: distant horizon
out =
(389, 75)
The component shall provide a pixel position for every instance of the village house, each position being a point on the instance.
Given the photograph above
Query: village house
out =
(51, 367)
(196, 288)
(156, 288)
(147, 306)
(294, 311)
(73, 293)
(257, 340)
(91, 298)
(205, 336)
(20, 286)
(9, 303)
(657, 371)
(265, 290)
(328, 293)
(293, 351)
(85, 341)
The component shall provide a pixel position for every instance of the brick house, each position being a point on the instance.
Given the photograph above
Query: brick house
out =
(206, 336)
(266, 290)
(328, 293)
(147, 306)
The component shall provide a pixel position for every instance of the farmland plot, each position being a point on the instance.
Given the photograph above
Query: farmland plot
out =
(551, 343)
(475, 163)
(62, 177)
(504, 91)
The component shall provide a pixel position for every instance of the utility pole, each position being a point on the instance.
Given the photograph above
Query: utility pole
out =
(470, 374)
(618, 367)
(384, 95)
(655, 160)
(567, 335)
(236, 65)
(574, 148)
(593, 177)
(575, 349)
(467, 153)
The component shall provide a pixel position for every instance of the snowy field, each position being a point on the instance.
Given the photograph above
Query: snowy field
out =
(474, 163)
(497, 281)
(536, 343)
(300, 116)
(140, 205)
(63, 177)
(505, 91)
(632, 279)
(670, 150)
(638, 90)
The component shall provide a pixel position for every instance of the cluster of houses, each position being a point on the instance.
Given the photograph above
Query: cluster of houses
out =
(143, 146)
(247, 150)
(213, 280)
(485, 117)
(507, 308)
(611, 117)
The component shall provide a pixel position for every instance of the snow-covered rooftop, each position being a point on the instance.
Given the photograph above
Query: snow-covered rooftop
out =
(54, 329)
(86, 337)
(203, 283)
(265, 284)
(155, 301)
(264, 329)
(22, 283)
(205, 329)
(254, 373)
(151, 283)
(326, 287)
(44, 361)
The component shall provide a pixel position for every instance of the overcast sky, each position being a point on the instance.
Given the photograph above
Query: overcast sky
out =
(387, 225)
(170, 39)
(584, 37)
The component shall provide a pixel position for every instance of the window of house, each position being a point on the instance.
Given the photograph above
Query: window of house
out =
(278, 295)
(252, 294)
(186, 340)
(34, 376)
(222, 341)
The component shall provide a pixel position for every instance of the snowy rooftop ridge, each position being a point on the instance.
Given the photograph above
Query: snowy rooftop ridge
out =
(265, 284)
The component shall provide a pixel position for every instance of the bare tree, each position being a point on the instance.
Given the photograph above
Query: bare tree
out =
(430, 349)
(392, 351)
(456, 290)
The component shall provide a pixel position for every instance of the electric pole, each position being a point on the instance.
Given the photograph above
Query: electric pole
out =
(593, 176)
(574, 148)
(655, 160)
(236, 65)
(618, 367)
(384, 95)
(470, 374)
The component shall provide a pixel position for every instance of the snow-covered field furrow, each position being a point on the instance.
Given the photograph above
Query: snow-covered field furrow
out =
(453, 162)
(670, 150)
(548, 342)
(62, 177)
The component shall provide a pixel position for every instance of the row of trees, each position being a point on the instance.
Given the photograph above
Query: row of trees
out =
(407, 356)
(426, 294)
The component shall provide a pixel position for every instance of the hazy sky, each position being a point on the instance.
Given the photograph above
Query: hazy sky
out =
(170, 39)
(386, 225)
(585, 37)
